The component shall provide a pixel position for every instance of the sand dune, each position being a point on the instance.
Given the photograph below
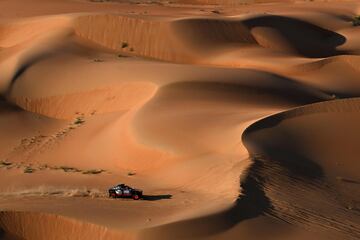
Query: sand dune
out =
(119, 98)
(283, 33)
(49, 227)
(237, 119)
(326, 176)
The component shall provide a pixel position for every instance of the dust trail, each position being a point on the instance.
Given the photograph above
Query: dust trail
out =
(42, 191)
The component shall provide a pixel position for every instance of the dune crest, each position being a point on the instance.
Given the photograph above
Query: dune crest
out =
(55, 227)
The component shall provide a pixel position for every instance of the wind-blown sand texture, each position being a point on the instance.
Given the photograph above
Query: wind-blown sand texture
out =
(238, 119)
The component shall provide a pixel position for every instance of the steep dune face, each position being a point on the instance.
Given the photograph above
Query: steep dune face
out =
(284, 34)
(119, 98)
(144, 37)
(295, 179)
(191, 39)
(306, 154)
(206, 34)
(182, 40)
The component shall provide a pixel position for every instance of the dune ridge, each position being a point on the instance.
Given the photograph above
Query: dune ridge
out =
(55, 227)
(288, 167)
(284, 186)
(184, 40)
(118, 98)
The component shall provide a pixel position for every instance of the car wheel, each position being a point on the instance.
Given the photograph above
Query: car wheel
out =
(136, 197)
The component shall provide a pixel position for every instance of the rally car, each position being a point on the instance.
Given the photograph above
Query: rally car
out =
(123, 191)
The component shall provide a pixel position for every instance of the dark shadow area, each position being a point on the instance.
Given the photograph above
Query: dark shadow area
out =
(156, 197)
(274, 171)
(244, 85)
(36, 58)
(268, 122)
(307, 39)
(281, 153)
(213, 32)
(294, 164)
(6, 236)
(23, 68)
(251, 204)
(6, 106)
(253, 201)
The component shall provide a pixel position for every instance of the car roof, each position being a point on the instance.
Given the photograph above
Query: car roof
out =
(122, 185)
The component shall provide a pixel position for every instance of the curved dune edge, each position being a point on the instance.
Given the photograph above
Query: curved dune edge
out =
(182, 40)
(31, 226)
(121, 97)
(263, 196)
(295, 195)
(27, 41)
(335, 106)
(189, 40)
(301, 190)
(128, 34)
(19, 32)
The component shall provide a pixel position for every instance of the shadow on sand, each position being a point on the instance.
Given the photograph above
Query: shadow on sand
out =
(6, 236)
(156, 197)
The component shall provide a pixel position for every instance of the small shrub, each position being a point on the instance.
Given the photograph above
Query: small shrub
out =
(29, 170)
(131, 49)
(93, 171)
(43, 167)
(79, 120)
(356, 21)
(69, 169)
(124, 45)
(54, 168)
(131, 173)
(98, 60)
(215, 11)
(5, 163)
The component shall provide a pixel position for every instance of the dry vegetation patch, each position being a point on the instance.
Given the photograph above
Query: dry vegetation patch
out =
(356, 21)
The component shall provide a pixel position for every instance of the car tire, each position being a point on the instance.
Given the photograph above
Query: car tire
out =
(136, 197)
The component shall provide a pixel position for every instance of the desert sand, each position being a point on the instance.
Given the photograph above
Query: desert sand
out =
(239, 119)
